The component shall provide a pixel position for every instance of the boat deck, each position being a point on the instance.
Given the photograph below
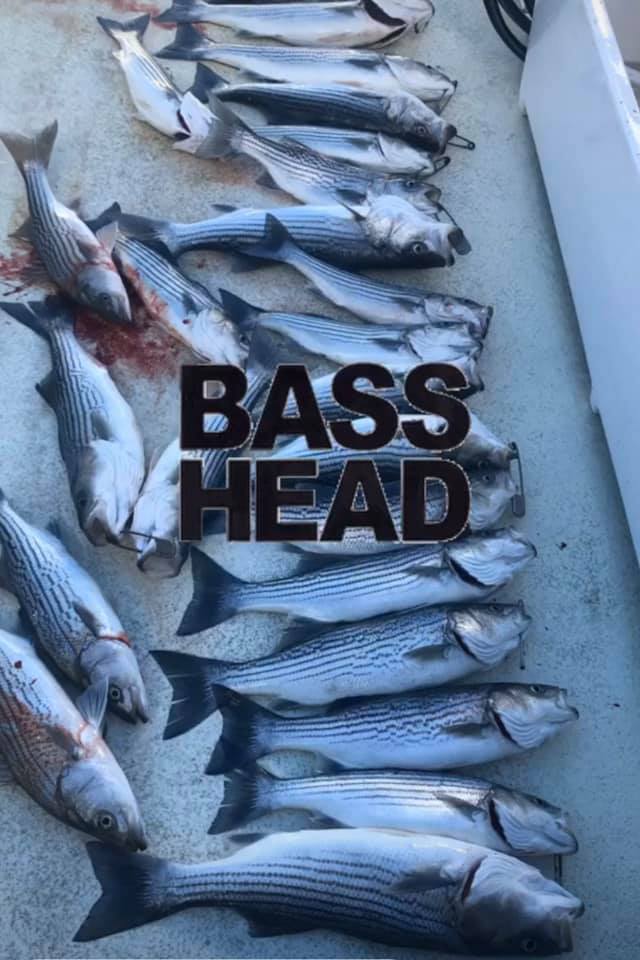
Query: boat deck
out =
(583, 589)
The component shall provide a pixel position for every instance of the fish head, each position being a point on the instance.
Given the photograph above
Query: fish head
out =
(217, 338)
(419, 122)
(492, 489)
(114, 660)
(398, 153)
(490, 559)
(97, 797)
(528, 714)
(435, 85)
(507, 908)
(483, 447)
(104, 490)
(529, 824)
(396, 219)
(488, 632)
(444, 309)
(102, 290)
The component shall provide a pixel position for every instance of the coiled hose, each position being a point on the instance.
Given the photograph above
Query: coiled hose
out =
(503, 13)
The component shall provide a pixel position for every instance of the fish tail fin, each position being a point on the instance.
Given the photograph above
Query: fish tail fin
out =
(205, 80)
(118, 30)
(159, 234)
(187, 40)
(180, 11)
(31, 151)
(276, 243)
(196, 692)
(244, 315)
(41, 316)
(129, 898)
(215, 592)
(241, 738)
(245, 797)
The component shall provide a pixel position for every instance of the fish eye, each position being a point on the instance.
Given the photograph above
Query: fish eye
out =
(417, 248)
(529, 945)
(410, 184)
(115, 694)
(421, 129)
(535, 688)
(105, 821)
(105, 298)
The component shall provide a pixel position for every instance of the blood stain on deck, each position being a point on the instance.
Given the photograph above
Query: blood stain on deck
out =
(143, 347)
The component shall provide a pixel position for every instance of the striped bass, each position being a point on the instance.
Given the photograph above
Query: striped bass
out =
(77, 260)
(372, 300)
(439, 804)
(345, 23)
(387, 233)
(466, 570)
(99, 439)
(491, 492)
(398, 889)
(480, 447)
(343, 342)
(435, 729)
(55, 751)
(184, 307)
(75, 625)
(383, 73)
(339, 105)
(156, 98)
(317, 666)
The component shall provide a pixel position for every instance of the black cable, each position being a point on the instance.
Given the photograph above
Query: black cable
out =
(516, 14)
(496, 15)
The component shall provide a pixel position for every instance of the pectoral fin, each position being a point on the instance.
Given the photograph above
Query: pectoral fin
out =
(92, 703)
(423, 881)
(88, 618)
(47, 388)
(434, 652)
